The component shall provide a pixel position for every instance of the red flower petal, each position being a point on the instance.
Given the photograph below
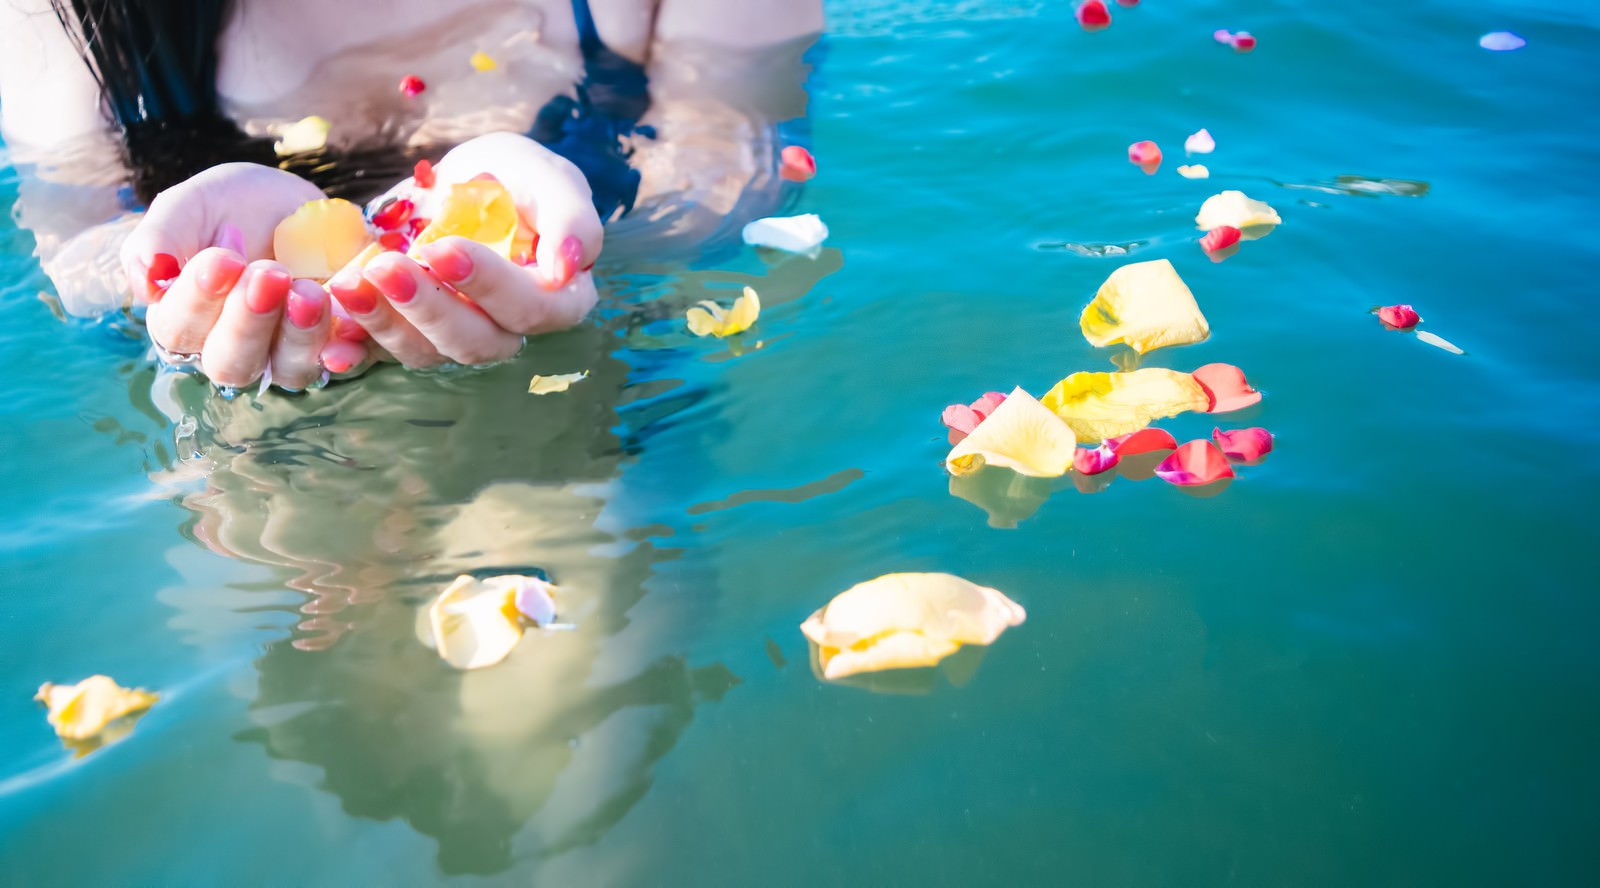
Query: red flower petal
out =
(1219, 238)
(423, 174)
(1093, 15)
(961, 418)
(1193, 464)
(163, 270)
(1145, 155)
(1247, 445)
(1142, 441)
(1094, 460)
(1400, 317)
(417, 225)
(394, 241)
(393, 214)
(411, 85)
(1226, 388)
(1243, 42)
(797, 164)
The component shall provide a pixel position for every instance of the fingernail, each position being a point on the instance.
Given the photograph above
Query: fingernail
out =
(449, 261)
(396, 284)
(229, 237)
(163, 271)
(354, 292)
(266, 289)
(220, 273)
(305, 309)
(568, 257)
(335, 363)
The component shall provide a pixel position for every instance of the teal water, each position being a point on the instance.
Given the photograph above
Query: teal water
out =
(1369, 660)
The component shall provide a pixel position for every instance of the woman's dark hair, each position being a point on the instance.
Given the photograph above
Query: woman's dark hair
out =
(156, 63)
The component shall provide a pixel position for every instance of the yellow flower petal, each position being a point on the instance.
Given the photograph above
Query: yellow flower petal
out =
(303, 136)
(475, 624)
(480, 210)
(1104, 405)
(905, 620)
(80, 711)
(1235, 209)
(545, 385)
(482, 61)
(1021, 435)
(1194, 171)
(712, 320)
(1145, 305)
(319, 238)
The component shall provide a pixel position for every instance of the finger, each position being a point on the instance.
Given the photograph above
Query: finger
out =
(182, 320)
(341, 356)
(509, 293)
(372, 314)
(236, 352)
(460, 330)
(296, 355)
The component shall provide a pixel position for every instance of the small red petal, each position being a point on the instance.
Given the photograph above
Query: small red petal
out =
(394, 241)
(1226, 388)
(163, 270)
(1193, 464)
(1219, 238)
(393, 214)
(1401, 317)
(1094, 460)
(961, 418)
(1247, 445)
(423, 174)
(411, 85)
(797, 164)
(1093, 15)
(1145, 155)
(418, 223)
(1142, 441)
(1243, 42)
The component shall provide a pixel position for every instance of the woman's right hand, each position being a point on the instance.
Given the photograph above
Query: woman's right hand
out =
(190, 259)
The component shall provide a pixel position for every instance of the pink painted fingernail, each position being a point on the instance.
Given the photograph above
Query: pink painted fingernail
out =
(219, 274)
(396, 284)
(265, 291)
(568, 257)
(348, 330)
(354, 292)
(229, 237)
(449, 261)
(305, 309)
(335, 363)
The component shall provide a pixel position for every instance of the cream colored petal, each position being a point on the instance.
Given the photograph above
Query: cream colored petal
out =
(936, 605)
(474, 625)
(303, 136)
(1104, 405)
(1235, 209)
(794, 234)
(81, 711)
(560, 382)
(317, 239)
(896, 650)
(1022, 435)
(744, 312)
(1194, 171)
(482, 61)
(1145, 305)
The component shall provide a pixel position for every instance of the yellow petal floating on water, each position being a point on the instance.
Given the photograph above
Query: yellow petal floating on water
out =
(475, 624)
(1021, 435)
(81, 711)
(480, 210)
(303, 136)
(545, 385)
(482, 61)
(319, 238)
(906, 620)
(1194, 171)
(1104, 405)
(712, 320)
(1252, 217)
(1145, 305)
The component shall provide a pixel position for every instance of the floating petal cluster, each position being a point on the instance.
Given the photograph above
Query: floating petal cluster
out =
(477, 623)
(81, 711)
(904, 621)
(710, 319)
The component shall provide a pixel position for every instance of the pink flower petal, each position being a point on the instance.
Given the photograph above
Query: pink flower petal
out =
(1400, 317)
(986, 404)
(1226, 388)
(1094, 460)
(1142, 441)
(1193, 464)
(1243, 42)
(1220, 238)
(1200, 143)
(1247, 445)
(1128, 3)
(1145, 155)
(1093, 15)
(1223, 36)
(961, 418)
(797, 164)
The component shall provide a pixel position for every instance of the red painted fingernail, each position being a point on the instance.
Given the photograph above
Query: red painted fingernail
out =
(266, 289)
(423, 174)
(396, 284)
(335, 364)
(568, 257)
(354, 292)
(229, 237)
(349, 330)
(449, 261)
(305, 309)
(163, 271)
(220, 273)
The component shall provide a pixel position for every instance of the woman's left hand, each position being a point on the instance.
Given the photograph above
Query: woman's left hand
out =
(465, 302)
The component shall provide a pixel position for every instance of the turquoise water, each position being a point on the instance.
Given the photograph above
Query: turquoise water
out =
(1369, 660)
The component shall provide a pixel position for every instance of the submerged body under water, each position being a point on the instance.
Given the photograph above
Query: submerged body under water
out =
(1366, 661)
